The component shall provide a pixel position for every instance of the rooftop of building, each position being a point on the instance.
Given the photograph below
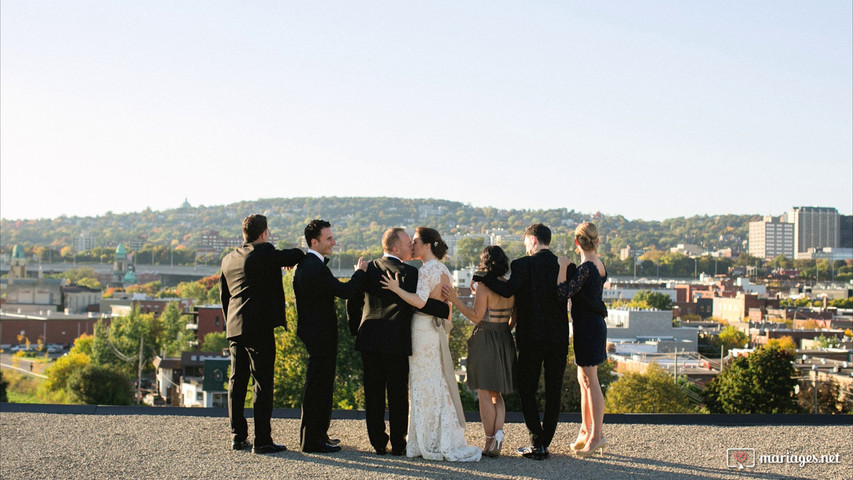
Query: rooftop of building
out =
(167, 442)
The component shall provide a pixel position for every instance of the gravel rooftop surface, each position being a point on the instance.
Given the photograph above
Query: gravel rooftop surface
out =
(73, 445)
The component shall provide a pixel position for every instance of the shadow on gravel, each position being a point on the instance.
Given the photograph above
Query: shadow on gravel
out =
(373, 465)
(621, 466)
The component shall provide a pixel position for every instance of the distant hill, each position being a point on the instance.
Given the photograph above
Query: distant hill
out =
(359, 222)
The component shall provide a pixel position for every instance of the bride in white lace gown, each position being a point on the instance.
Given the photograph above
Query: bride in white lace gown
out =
(436, 421)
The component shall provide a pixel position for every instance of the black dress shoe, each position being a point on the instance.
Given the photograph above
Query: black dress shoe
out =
(326, 448)
(333, 441)
(269, 448)
(380, 450)
(535, 453)
(240, 445)
(398, 452)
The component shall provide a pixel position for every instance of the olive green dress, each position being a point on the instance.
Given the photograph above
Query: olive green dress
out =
(491, 353)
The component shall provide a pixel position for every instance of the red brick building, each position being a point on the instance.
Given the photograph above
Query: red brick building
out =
(206, 319)
(50, 327)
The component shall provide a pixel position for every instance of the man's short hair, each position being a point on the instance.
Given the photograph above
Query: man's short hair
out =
(313, 229)
(540, 231)
(390, 238)
(253, 227)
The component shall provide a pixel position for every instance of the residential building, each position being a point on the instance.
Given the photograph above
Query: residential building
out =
(687, 249)
(650, 327)
(206, 319)
(735, 309)
(630, 252)
(211, 242)
(771, 237)
(79, 299)
(196, 379)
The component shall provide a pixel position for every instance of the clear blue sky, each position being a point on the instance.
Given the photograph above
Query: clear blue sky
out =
(651, 109)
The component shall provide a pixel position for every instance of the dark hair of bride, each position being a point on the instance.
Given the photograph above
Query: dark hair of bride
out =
(494, 260)
(433, 238)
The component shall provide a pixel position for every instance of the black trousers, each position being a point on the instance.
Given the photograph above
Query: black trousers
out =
(317, 399)
(251, 355)
(386, 373)
(551, 356)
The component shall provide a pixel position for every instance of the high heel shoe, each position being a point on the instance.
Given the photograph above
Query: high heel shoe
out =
(487, 452)
(599, 446)
(499, 438)
(579, 443)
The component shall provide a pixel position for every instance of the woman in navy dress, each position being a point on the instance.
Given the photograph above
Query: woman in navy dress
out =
(589, 335)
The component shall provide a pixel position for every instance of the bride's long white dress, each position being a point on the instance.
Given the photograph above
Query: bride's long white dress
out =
(434, 429)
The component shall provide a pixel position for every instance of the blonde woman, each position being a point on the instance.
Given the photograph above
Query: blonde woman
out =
(589, 335)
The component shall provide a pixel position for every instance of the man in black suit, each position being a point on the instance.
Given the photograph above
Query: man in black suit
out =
(316, 288)
(382, 322)
(541, 333)
(253, 303)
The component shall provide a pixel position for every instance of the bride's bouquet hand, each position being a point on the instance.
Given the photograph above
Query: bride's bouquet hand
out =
(390, 283)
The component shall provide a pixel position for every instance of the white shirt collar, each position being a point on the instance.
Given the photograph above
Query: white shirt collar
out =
(315, 252)
(392, 256)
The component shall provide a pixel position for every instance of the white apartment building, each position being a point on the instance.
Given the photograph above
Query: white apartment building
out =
(770, 238)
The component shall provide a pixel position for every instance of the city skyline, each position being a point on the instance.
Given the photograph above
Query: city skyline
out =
(651, 111)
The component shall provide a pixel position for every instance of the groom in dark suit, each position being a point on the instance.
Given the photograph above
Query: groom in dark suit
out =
(252, 297)
(316, 288)
(541, 333)
(382, 322)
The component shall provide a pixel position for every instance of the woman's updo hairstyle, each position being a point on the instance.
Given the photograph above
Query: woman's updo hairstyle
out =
(587, 236)
(494, 260)
(433, 238)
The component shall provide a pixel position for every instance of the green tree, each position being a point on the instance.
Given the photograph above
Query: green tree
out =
(98, 385)
(3, 385)
(828, 397)
(762, 382)
(214, 342)
(468, 251)
(176, 337)
(122, 339)
(654, 391)
(652, 299)
(730, 337)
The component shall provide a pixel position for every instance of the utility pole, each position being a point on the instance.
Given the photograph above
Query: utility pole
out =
(675, 370)
(139, 376)
(814, 370)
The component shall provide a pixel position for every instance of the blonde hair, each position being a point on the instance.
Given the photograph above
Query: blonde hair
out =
(586, 235)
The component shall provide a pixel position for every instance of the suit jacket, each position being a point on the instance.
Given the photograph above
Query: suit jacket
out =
(250, 288)
(381, 320)
(542, 316)
(316, 288)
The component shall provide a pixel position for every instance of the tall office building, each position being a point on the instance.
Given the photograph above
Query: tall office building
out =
(770, 238)
(814, 227)
(846, 236)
